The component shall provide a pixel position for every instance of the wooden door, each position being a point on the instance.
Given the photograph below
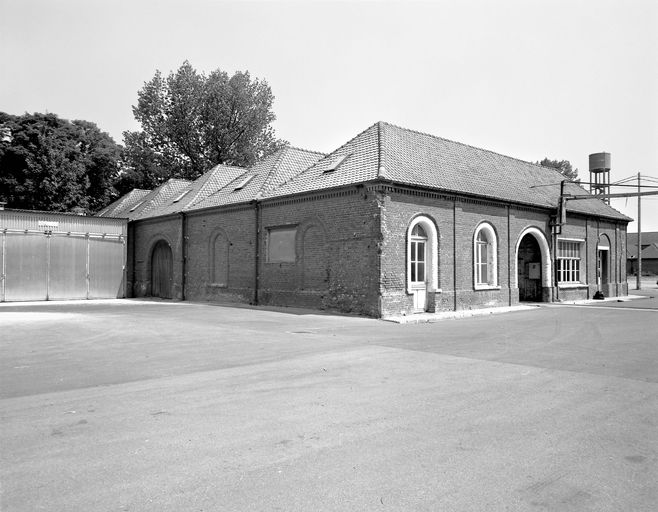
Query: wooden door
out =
(161, 270)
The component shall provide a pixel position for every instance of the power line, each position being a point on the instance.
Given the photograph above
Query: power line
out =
(594, 183)
(618, 185)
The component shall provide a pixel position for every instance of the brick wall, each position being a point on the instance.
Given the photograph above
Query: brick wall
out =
(215, 275)
(456, 222)
(350, 252)
(335, 255)
(336, 264)
(146, 233)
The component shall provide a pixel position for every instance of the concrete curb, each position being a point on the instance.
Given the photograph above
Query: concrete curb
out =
(624, 298)
(422, 318)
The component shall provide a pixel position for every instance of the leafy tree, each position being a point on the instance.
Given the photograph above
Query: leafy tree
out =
(191, 122)
(564, 166)
(49, 163)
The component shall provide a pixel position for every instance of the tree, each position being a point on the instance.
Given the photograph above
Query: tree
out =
(191, 122)
(49, 163)
(564, 166)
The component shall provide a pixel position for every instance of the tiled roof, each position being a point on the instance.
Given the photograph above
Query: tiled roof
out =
(409, 157)
(156, 198)
(385, 152)
(361, 164)
(120, 207)
(263, 177)
(649, 239)
(196, 191)
(650, 252)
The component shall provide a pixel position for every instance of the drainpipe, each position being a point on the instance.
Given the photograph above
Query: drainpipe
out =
(555, 290)
(454, 251)
(130, 240)
(509, 258)
(183, 229)
(257, 218)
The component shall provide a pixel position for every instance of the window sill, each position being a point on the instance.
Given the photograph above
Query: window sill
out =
(566, 286)
(411, 290)
(479, 287)
(217, 285)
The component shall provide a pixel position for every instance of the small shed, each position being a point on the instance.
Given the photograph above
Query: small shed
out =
(56, 256)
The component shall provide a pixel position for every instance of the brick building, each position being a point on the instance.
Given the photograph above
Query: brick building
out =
(648, 252)
(392, 222)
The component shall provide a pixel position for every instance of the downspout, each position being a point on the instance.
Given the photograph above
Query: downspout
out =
(616, 266)
(587, 262)
(183, 229)
(555, 289)
(454, 251)
(130, 292)
(509, 259)
(257, 218)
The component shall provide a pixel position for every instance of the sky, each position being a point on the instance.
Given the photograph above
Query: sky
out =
(525, 78)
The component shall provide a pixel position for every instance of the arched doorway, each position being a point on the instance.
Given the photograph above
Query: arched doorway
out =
(529, 269)
(161, 270)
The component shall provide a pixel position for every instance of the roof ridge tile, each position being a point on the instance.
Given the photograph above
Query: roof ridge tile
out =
(272, 171)
(418, 132)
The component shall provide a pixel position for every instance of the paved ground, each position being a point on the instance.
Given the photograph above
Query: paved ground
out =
(129, 405)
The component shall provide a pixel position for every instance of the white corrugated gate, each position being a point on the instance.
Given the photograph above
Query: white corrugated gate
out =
(54, 256)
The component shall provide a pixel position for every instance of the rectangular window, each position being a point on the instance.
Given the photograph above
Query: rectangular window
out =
(482, 263)
(568, 262)
(417, 261)
(281, 245)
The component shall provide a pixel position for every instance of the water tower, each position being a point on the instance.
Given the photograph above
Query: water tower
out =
(599, 174)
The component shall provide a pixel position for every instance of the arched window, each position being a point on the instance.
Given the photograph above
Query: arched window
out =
(422, 255)
(418, 256)
(485, 257)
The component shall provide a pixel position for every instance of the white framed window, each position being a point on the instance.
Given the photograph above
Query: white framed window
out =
(568, 261)
(418, 256)
(281, 245)
(485, 257)
(422, 255)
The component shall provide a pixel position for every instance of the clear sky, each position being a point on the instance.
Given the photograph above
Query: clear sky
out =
(526, 78)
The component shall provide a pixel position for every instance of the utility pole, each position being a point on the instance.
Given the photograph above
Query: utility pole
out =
(570, 197)
(639, 236)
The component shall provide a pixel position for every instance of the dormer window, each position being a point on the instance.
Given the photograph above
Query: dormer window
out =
(335, 163)
(180, 196)
(136, 206)
(244, 182)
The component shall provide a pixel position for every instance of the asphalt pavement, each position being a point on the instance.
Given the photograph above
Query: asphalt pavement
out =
(156, 405)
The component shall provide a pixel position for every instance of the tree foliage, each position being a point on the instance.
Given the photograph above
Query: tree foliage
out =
(49, 163)
(191, 122)
(564, 166)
